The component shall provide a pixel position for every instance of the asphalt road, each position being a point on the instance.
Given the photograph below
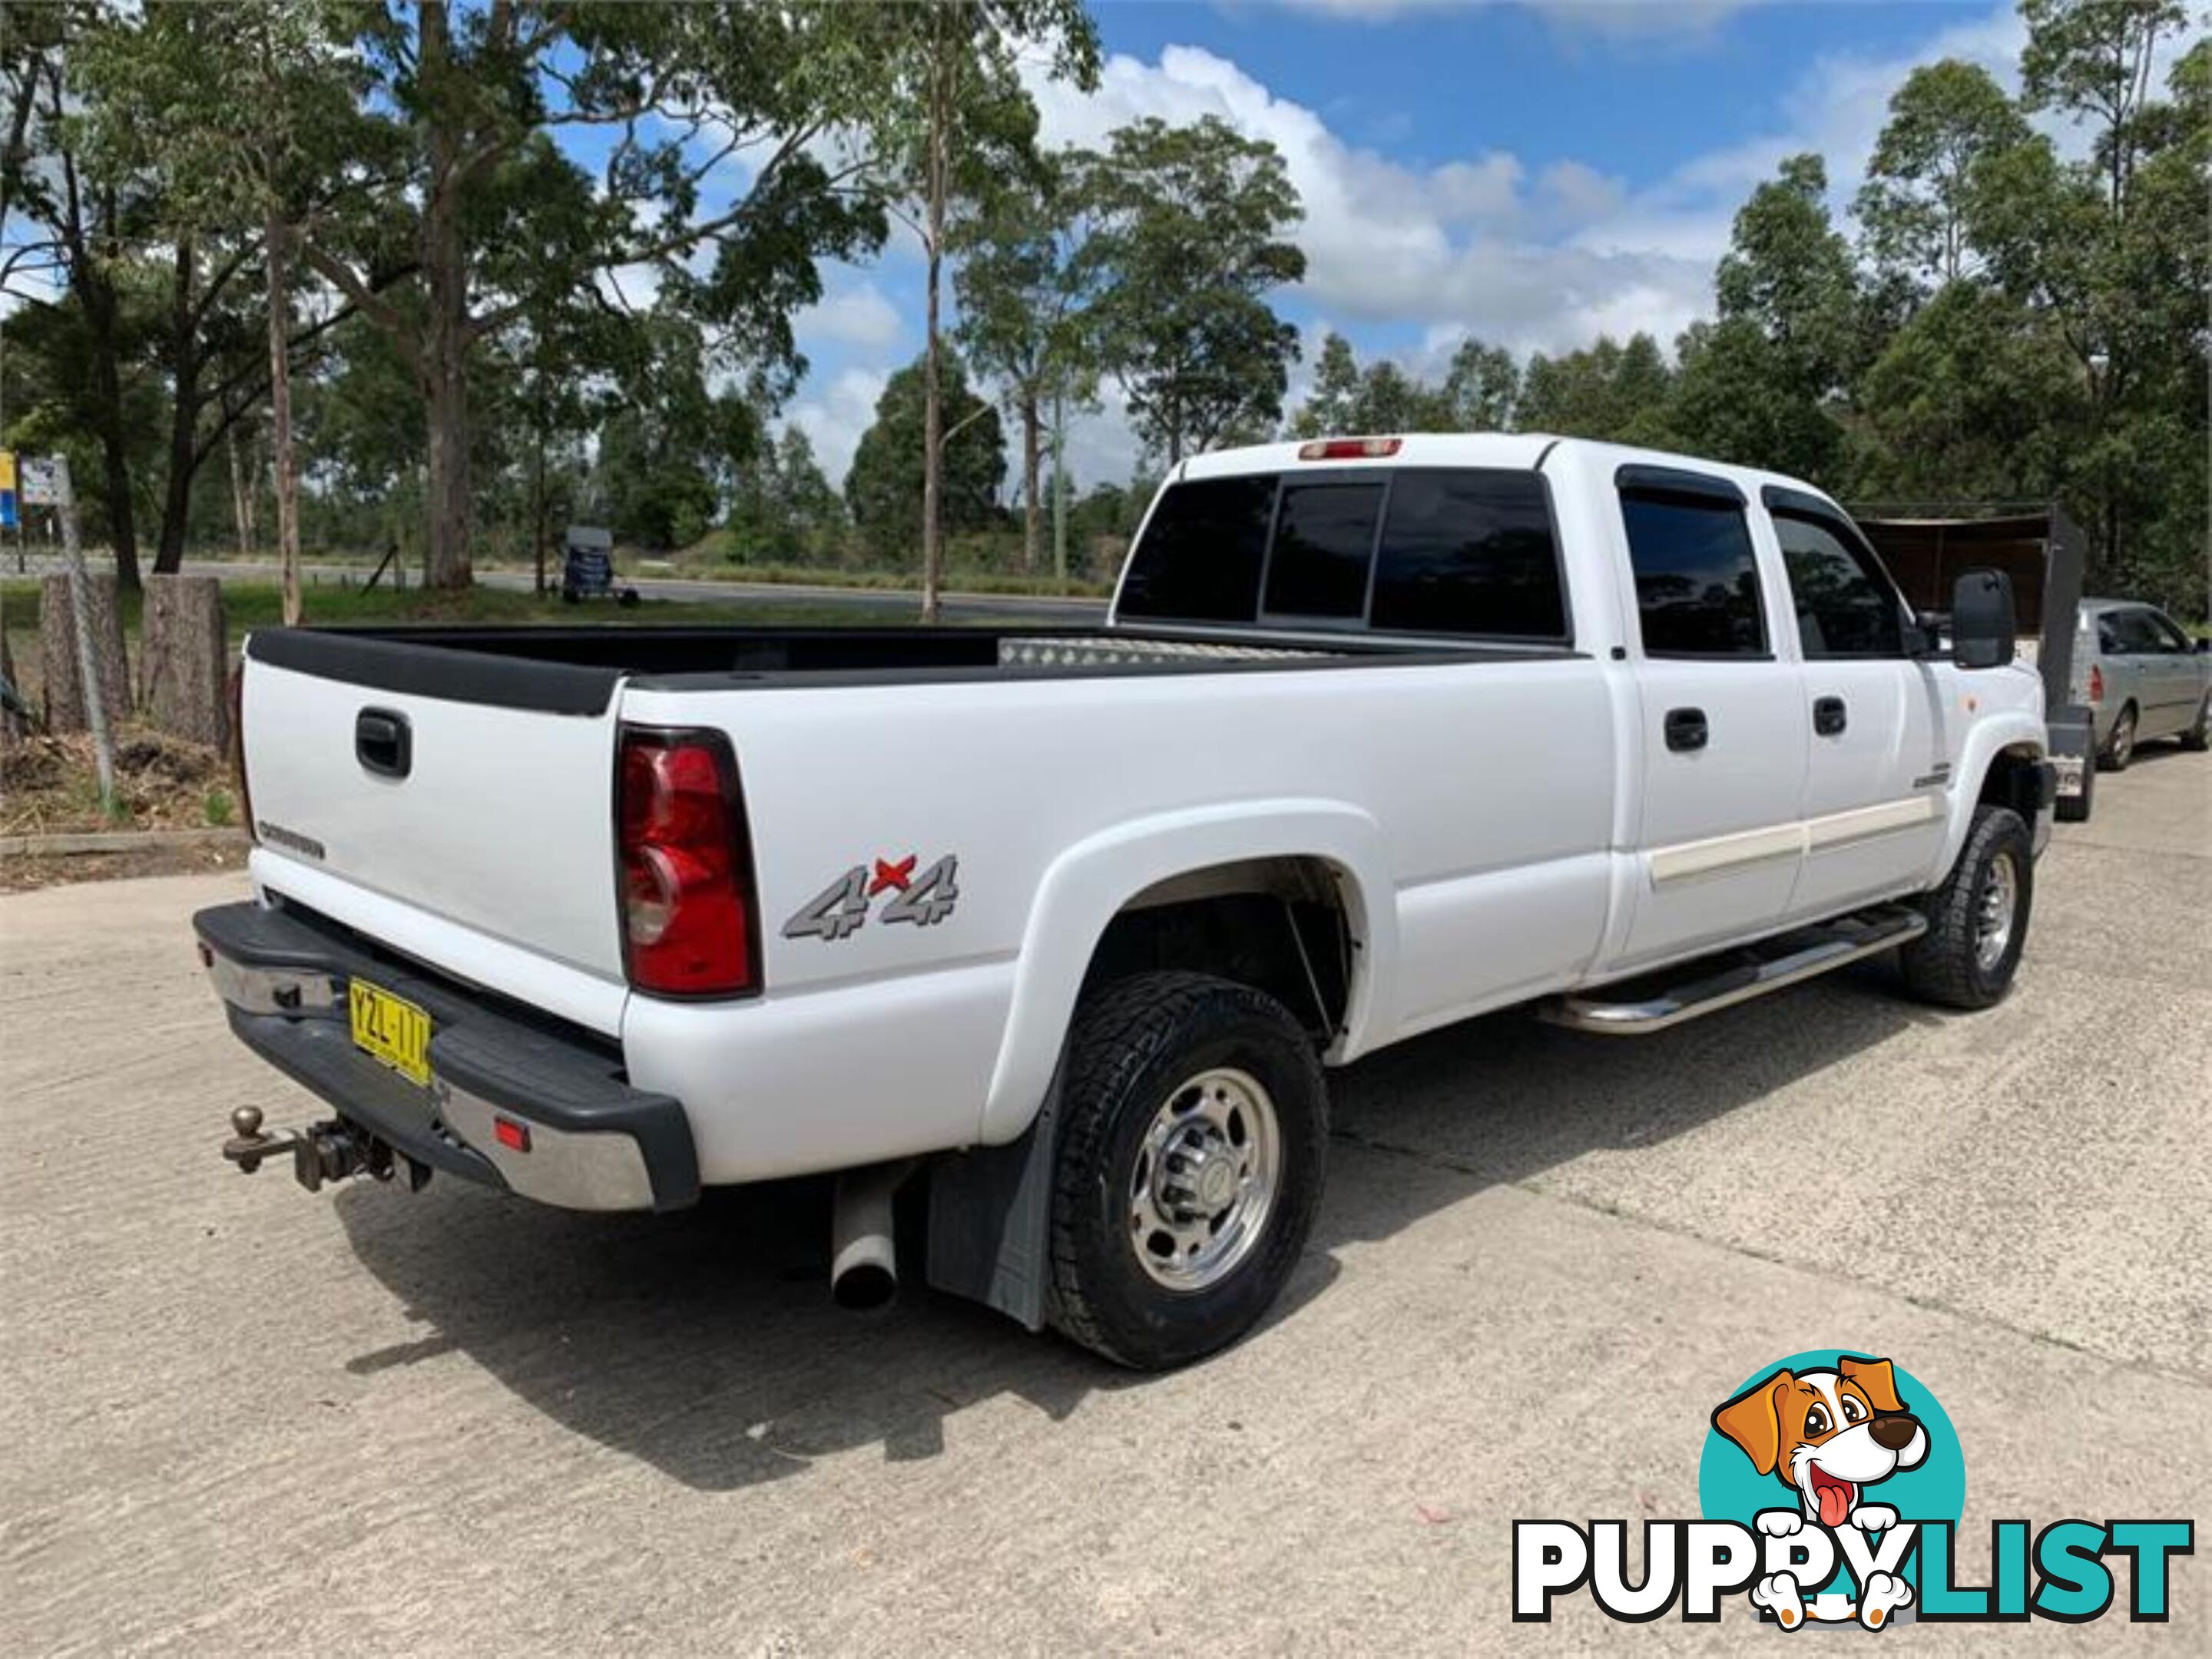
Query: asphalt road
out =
(238, 1418)
(957, 607)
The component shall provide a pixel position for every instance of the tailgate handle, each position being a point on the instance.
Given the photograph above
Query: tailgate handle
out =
(383, 743)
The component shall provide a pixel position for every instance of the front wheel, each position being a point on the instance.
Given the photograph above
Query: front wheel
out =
(1193, 1138)
(1978, 919)
(2198, 737)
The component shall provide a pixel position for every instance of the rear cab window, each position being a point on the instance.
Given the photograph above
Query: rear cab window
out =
(1464, 552)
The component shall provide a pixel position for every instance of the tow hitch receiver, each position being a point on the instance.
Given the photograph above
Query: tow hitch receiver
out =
(332, 1151)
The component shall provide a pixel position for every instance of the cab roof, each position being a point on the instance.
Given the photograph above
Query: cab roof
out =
(1510, 449)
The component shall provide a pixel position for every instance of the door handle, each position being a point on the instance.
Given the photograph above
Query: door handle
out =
(1829, 716)
(383, 743)
(1685, 730)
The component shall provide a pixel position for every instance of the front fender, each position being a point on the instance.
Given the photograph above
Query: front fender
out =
(1086, 887)
(1990, 737)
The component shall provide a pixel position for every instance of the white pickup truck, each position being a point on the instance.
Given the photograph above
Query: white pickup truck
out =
(1381, 733)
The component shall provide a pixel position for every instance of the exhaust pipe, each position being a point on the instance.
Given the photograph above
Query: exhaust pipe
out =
(863, 1259)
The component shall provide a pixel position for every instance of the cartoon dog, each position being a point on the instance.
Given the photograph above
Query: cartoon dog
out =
(1827, 1435)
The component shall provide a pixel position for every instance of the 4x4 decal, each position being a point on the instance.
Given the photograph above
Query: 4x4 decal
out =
(841, 909)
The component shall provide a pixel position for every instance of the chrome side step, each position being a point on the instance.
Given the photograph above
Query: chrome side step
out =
(1655, 1001)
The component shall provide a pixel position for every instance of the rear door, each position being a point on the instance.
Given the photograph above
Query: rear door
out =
(2132, 667)
(1723, 728)
(1875, 776)
(476, 787)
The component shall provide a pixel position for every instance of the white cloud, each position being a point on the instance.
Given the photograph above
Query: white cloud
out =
(1463, 243)
(834, 416)
(857, 316)
(1837, 106)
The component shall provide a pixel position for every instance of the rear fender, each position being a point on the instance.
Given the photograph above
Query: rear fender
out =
(1089, 883)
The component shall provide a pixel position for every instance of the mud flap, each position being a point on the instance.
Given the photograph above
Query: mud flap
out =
(990, 1220)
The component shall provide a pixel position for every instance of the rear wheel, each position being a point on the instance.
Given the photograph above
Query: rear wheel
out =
(1195, 1133)
(1978, 919)
(2120, 747)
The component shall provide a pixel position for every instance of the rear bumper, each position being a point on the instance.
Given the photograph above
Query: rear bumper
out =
(589, 1141)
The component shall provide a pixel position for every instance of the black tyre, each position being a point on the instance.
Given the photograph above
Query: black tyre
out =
(1978, 919)
(1194, 1142)
(2198, 737)
(2120, 747)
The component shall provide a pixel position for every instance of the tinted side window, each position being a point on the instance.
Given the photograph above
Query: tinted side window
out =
(1324, 542)
(1846, 605)
(1469, 552)
(1199, 558)
(2129, 633)
(1697, 584)
(2171, 639)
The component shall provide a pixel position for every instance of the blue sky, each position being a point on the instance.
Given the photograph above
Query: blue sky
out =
(1534, 172)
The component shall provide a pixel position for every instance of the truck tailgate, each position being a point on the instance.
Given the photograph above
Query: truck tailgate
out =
(499, 814)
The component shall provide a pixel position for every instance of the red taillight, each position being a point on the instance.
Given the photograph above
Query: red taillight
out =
(515, 1137)
(2096, 684)
(1349, 449)
(685, 870)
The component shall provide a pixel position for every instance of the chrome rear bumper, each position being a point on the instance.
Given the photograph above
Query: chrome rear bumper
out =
(511, 1102)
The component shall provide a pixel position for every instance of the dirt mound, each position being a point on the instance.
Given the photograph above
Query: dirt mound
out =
(49, 785)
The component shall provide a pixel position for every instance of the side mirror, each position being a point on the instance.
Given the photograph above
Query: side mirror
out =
(2203, 646)
(1930, 625)
(1983, 632)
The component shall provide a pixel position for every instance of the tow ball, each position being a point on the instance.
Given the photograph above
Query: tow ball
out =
(330, 1151)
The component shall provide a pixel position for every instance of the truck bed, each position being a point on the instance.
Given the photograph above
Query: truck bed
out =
(574, 670)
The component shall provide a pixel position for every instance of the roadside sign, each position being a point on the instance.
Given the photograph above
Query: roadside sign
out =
(40, 480)
(9, 518)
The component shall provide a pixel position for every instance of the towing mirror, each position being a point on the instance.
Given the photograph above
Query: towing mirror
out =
(1983, 632)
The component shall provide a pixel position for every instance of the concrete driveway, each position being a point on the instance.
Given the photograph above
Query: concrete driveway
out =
(235, 1417)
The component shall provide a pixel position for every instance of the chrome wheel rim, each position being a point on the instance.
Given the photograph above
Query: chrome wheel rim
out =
(1206, 1178)
(2000, 903)
(2123, 738)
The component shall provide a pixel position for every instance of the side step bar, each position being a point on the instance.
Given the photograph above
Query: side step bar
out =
(1655, 1001)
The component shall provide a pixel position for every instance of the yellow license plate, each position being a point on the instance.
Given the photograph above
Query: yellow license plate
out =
(392, 1029)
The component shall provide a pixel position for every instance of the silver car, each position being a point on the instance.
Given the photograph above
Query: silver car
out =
(2143, 677)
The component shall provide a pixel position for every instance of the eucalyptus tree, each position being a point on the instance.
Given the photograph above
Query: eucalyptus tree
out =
(1916, 207)
(1194, 223)
(710, 187)
(950, 124)
(1027, 283)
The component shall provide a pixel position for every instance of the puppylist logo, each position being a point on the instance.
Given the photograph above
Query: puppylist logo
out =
(1832, 1485)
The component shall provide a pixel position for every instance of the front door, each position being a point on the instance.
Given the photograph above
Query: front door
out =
(1723, 728)
(1874, 780)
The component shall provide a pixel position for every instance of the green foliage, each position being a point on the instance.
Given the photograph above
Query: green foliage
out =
(1477, 394)
(1971, 400)
(782, 510)
(671, 448)
(1615, 392)
(884, 488)
(1917, 202)
(1191, 228)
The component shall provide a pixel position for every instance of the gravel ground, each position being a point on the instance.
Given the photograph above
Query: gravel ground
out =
(237, 1418)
